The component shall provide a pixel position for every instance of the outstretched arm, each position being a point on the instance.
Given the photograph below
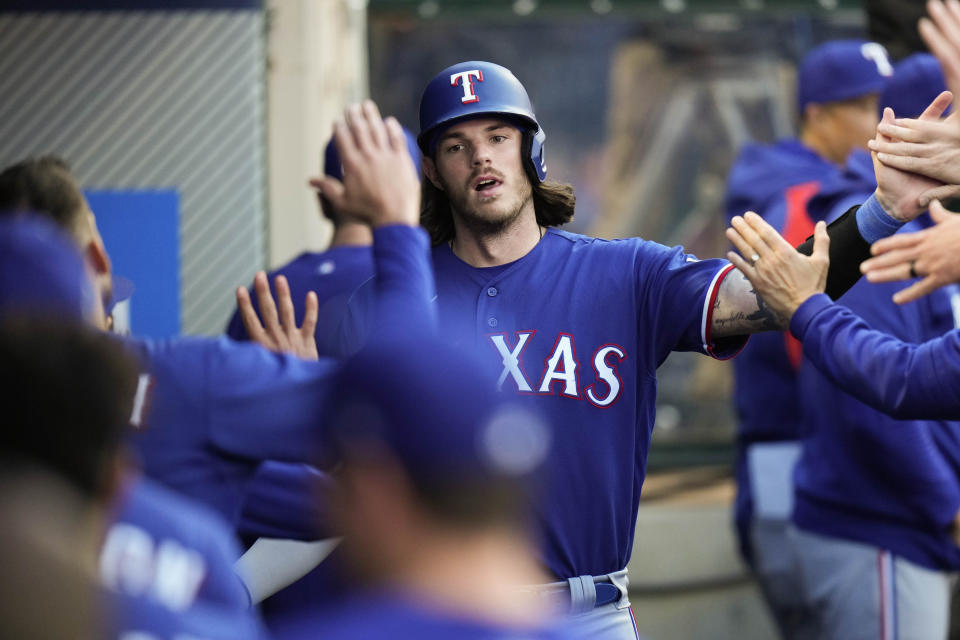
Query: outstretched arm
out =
(907, 381)
(739, 309)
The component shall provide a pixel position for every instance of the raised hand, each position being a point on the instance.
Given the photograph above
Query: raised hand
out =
(780, 275)
(380, 183)
(930, 254)
(941, 32)
(927, 147)
(900, 192)
(278, 331)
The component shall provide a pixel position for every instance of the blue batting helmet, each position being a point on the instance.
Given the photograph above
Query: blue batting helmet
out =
(476, 89)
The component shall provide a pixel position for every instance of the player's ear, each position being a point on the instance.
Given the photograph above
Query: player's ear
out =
(97, 256)
(430, 170)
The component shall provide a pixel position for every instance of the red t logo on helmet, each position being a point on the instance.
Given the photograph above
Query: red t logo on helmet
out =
(464, 78)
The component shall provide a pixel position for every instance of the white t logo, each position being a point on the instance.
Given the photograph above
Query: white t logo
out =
(464, 78)
(876, 52)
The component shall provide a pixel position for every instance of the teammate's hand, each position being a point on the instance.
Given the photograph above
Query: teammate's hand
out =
(928, 147)
(899, 192)
(941, 32)
(279, 331)
(931, 254)
(780, 275)
(380, 183)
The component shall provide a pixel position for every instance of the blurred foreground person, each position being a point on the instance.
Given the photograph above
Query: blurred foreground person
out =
(433, 493)
(279, 503)
(213, 409)
(68, 394)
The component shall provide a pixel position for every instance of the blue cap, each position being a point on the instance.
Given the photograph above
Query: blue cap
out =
(334, 168)
(431, 406)
(41, 271)
(916, 81)
(842, 70)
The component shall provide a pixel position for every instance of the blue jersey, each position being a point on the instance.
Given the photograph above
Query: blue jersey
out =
(579, 326)
(168, 567)
(902, 379)
(139, 618)
(868, 477)
(333, 275)
(162, 546)
(209, 411)
(386, 616)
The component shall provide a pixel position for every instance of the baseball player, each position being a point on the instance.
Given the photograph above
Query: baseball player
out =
(555, 323)
(916, 81)
(280, 501)
(837, 88)
(904, 380)
(68, 393)
(440, 543)
(872, 551)
(209, 410)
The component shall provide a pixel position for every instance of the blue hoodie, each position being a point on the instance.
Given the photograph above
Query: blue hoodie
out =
(776, 182)
(866, 476)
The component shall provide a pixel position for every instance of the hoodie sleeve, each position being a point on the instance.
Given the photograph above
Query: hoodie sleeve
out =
(904, 380)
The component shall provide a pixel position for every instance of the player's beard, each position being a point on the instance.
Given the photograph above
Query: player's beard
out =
(491, 219)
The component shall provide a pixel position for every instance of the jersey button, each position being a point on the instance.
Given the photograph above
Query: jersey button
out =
(492, 291)
(492, 322)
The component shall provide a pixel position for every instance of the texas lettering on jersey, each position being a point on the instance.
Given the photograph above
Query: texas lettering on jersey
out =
(562, 372)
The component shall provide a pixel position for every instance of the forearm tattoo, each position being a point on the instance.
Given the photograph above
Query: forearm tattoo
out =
(739, 310)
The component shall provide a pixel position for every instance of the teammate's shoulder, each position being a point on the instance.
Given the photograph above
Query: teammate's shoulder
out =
(603, 246)
(581, 240)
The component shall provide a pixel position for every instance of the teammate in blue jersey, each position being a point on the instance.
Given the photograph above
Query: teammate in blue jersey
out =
(332, 274)
(877, 498)
(575, 325)
(436, 472)
(837, 88)
(209, 410)
(280, 500)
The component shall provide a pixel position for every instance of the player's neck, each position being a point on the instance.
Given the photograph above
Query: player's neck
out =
(479, 249)
(351, 234)
(814, 140)
(477, 575)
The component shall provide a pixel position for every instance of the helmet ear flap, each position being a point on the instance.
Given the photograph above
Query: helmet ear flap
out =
(533, 154)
